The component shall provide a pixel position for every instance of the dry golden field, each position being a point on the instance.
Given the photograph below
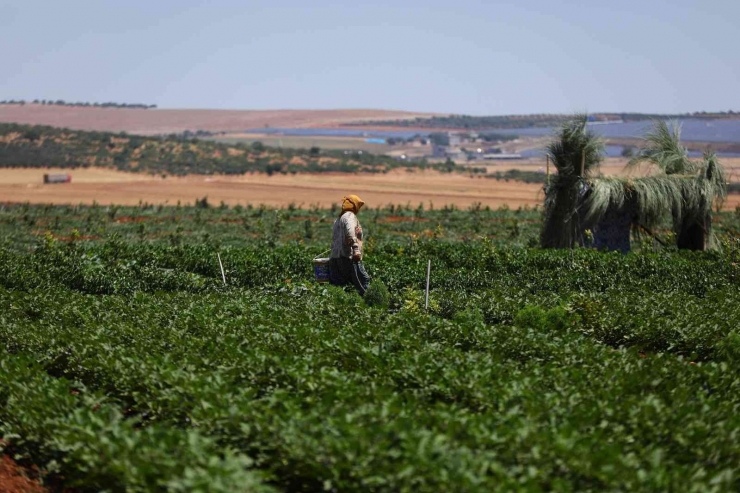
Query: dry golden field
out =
(399, 186)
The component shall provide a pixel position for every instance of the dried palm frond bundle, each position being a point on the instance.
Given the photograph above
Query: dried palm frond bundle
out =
(652, 198)
(615, 205)
(703, 185)
(576, 153)
(663, 149)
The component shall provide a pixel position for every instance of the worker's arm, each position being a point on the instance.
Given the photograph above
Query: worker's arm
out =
(350, 224)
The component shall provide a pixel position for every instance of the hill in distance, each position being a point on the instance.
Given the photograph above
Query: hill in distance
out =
(167, 121)
(26, 146)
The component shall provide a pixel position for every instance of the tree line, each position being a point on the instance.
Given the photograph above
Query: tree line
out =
(469, 122)
(43, 147)
(61, 102)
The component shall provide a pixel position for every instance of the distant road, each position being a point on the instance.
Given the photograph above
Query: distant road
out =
(164, 121)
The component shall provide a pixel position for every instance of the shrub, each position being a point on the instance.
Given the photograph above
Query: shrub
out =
(377, 295)
(470, 316)
(559, 319)
(534, 317)
(530, 317)
(729, 347)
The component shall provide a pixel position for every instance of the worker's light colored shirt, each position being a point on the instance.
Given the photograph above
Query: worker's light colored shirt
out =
(346, 237)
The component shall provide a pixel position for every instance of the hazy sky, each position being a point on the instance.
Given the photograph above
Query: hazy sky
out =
(456, 56)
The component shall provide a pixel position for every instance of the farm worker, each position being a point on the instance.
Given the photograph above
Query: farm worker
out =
(345, 265)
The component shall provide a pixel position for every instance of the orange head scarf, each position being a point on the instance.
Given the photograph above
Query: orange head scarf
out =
(352, 203)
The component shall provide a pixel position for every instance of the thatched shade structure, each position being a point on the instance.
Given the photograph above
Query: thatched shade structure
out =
(578, 199)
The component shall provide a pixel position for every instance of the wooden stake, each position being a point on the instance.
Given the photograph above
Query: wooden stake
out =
(223, 275)
(583, 162)
(429, 270)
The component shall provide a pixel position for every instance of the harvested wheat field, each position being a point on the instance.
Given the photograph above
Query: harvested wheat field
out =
(399, 186)
(107, 186)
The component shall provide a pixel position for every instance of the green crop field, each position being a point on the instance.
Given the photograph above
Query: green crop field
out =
(126, 364)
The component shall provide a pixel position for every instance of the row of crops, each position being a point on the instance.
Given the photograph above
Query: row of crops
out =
(127, 364)
(199, 223)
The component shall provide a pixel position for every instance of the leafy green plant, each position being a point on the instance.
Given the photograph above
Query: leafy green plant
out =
(377, 295)
(470, 315)
(531, 317)
(729, 347)
(535, 317)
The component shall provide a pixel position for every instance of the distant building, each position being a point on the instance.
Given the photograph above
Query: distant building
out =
(439, 151)
(57, 178)
(501, 156)
(456, 154)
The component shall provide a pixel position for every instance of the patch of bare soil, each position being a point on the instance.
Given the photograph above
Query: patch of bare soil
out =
(131, 219)
(402, 219)
(14, 479)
